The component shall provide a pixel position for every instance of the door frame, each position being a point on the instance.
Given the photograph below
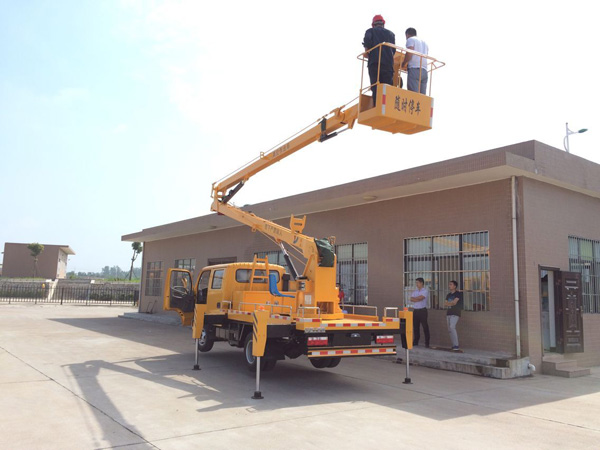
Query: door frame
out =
(556, 273)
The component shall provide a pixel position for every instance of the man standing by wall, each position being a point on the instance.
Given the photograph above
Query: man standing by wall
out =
(454, 301)
(419, 299)
(375, 36)
(417, 66)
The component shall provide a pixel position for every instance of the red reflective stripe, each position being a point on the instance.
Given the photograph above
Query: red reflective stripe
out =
(366, 324)
(278, 316)
(365, 351)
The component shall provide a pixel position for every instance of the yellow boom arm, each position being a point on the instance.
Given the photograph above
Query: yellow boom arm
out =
(397, 111)
(322, 131)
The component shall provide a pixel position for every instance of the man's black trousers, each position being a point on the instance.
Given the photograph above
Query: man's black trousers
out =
(420, 318)
(386, 75)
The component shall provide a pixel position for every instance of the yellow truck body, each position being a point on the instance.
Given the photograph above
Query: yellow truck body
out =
(227, 298)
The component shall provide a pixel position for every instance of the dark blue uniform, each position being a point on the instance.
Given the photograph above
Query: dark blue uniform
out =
(373, 37)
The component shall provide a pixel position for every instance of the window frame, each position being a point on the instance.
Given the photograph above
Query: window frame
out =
(463, 257)
(259, 272)
(153, 283)
(186, 264)
(353, 272)
(586, 263)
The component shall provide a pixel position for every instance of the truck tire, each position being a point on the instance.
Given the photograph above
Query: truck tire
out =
(205, 344)
(266, 364)
(320, 363)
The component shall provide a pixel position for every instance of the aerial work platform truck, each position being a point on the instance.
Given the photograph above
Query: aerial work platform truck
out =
(274, 312)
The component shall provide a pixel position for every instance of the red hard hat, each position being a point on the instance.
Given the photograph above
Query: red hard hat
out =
(378, 18)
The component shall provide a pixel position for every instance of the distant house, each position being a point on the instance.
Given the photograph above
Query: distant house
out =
(52, 262)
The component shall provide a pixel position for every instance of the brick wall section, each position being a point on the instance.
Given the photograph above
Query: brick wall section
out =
(385, 225)
(552, 215)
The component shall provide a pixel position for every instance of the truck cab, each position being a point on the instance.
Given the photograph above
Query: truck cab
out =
(221, 287)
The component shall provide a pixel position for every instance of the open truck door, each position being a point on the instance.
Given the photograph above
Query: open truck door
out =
(180, 294)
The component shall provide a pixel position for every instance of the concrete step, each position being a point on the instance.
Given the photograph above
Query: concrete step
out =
(487, 364)
(465, 367)
(564, 368)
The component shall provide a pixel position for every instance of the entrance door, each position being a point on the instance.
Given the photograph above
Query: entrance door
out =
(547, 296)
(569, 308)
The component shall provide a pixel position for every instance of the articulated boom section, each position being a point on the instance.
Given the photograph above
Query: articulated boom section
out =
(324, 129)
(316, 287)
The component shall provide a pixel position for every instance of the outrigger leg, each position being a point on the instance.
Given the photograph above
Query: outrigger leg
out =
(259, 342)
(407, 378)
(257, 394)
(406, 330)
(196, 366)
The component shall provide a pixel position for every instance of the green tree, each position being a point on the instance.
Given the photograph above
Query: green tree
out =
(35, 249)
(137, 249)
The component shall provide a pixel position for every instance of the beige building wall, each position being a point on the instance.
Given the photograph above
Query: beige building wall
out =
(384, 226)
(552, 215)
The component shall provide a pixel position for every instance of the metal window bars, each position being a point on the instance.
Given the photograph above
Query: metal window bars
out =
(440, 259)
(584, 258)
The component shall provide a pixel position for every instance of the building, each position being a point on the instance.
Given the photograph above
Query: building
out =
(52, 262)
(517, 227)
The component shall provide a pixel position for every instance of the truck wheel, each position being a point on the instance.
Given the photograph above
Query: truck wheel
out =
(205, 344)
(334, 362)
(320, 363)
(266, 364)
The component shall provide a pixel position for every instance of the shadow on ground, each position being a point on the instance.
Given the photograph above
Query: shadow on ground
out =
(225, 380)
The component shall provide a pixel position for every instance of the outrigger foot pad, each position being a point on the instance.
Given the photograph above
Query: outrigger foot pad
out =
(257, 396)
(196, 367)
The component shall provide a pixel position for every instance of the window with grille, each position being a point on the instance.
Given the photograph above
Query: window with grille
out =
(154, 278)
(188, 264)
(352, 272)
(244, 275)
(439, 259)
(274, 257)
(584, 258)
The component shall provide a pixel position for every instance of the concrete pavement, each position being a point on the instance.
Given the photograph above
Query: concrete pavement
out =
(77, 377)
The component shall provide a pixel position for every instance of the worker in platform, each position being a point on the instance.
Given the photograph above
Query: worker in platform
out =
(416, 66)
(385, 68)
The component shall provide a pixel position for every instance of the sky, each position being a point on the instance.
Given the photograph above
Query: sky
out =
(117, 116)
